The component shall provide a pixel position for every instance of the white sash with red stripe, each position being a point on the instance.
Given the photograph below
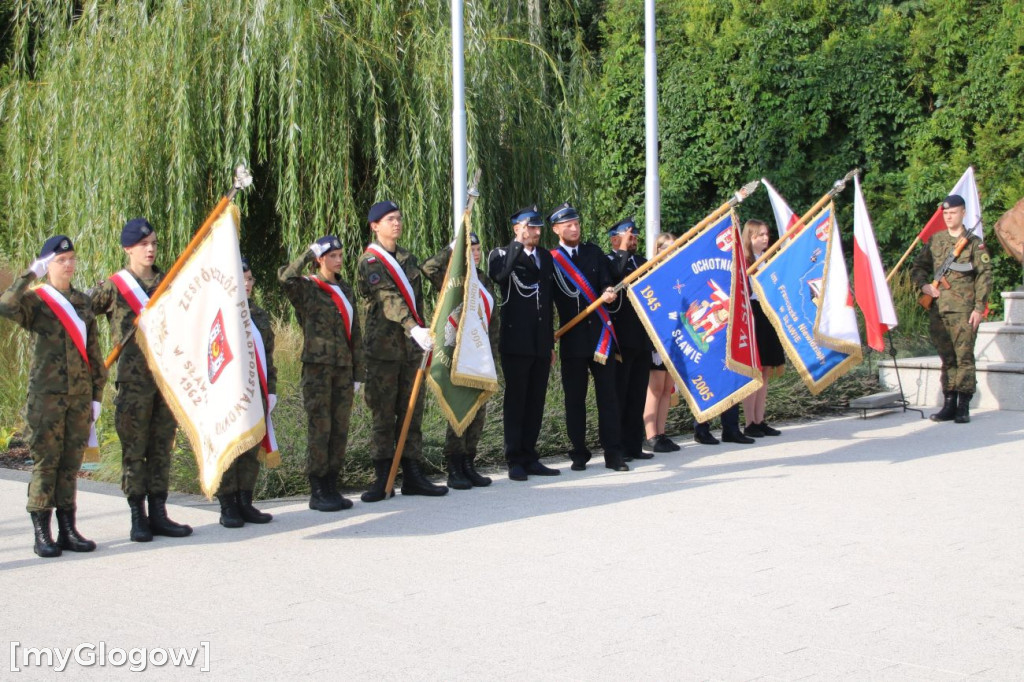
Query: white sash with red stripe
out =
(130, 290)
(340, 302)
(569, 269)
(68, 317)
(398, 276)
(269, 443)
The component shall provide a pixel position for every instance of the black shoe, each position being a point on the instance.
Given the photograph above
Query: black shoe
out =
(331, 485)
(578, 465)
(140, 531)
(735, 436)
(68, 536)
(651, 445)
(769, 431)
(415, 483)
(250, 513)
(160, 523)
(535, 468)
(230, 516)
(667, 443)
(320, 497)
(472, 475)
(615, 464)
(44, 546)
(704, 437)
(516, 472)
(754, 431)
(963, 408)
(948, 410)
(640, 455)
(381, 471)
(456, 476)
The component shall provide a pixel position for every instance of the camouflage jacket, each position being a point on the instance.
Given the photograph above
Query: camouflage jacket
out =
(261, 319)
(108, 302)
(57, 366)
(436, 267)
(970, 278)
(388, 319)
(323, 333)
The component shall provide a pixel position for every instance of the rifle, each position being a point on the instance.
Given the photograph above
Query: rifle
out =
(940, 280)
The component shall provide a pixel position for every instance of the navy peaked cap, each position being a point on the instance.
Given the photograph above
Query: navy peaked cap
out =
(623, 226)
(528, 213)
(563, 213)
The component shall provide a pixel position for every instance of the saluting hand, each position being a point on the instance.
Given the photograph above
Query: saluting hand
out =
(40, 265)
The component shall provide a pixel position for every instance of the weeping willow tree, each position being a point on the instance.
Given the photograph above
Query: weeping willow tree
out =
(117, 109)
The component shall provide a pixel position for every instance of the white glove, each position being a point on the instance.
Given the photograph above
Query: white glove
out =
(271, 402)
(39, 265)
(317, 249)
(656, 358)
(96, 407)
(421, 335)
(356, 385)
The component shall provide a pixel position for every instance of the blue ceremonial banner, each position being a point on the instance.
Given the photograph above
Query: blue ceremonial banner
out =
(696, 308)
(793, 288)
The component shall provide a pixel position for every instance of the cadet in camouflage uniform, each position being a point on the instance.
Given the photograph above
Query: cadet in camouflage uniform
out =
(64, 391)
(395, 341)
(239, 481)
(460, 451)
(332, 360)
(145, 424)
(956, 312)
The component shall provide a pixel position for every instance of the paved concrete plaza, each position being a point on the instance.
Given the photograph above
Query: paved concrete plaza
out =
(886, 549)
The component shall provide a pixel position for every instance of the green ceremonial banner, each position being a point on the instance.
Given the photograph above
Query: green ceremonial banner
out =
(462, 373)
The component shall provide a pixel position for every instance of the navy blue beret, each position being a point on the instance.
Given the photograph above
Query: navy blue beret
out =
(56, 244)
(473, 239)
(134, 231)
(529, 213)
(623, 226)
(563, 213)
(953, 201)
(331, 242)
(245, 264)
(381, 209)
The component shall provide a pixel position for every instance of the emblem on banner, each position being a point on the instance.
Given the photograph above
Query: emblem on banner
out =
(218, 353)
(724, 240)
(705, 319)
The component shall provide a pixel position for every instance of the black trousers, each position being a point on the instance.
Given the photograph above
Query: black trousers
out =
(631, 377)
(526, 386)
(730, 421)
(609, 427)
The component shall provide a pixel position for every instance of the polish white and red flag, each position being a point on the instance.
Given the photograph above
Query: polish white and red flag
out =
(967, 188)
(870, 289)
(784, 216)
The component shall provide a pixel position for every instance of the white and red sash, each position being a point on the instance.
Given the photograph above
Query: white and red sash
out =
(399, 278)
(340, 302)
(488, 303)
(130, 290)
(68, 317)
(569, 269)
(269, 443)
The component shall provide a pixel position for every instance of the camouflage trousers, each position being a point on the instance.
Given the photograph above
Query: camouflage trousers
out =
(146, 427)
(954, 338)
(467, 442)
(387, 391)
(327, 394)
(58, 430)
(242, 473)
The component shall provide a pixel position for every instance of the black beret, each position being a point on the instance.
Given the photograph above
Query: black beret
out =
(245, 264)
(563, 213)
(623, 226)
(331, 242)
(381, 209)
(134, 231)
(56, 244)
(953, 201)
(530, 213)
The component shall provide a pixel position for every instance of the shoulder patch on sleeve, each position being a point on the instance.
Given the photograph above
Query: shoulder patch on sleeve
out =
(985, 258)
(371, 259)
(374, 278)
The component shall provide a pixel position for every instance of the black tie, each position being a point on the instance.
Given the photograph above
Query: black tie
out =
(572, 255)
(536, 259)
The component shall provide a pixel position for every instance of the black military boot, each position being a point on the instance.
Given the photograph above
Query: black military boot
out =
(68, 536)
(140, 523)
(331, 484)
(948, 410)
(320, 497)
(45, 546)
(250, 513)
(230, 515)
(963, 408)
(456, 474)
(381, 470)
(472, 475)
(159, 522)
(415, 483)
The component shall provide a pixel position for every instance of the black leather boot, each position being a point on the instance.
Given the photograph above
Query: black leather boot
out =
(68, 536)
(948, 410)
(140, 523)
(230, 515)
(320, 498)
(331, 484)
(472, 475)
(250, 513)
(415, 483)
(44, 546)
(381, 469)
(963, 408)
(160, 523)
(456, 474)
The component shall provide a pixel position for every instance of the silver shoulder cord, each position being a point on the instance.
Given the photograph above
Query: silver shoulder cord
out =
(524, 290)
(567, 288)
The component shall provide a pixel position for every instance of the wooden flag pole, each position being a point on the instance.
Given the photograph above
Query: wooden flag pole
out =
(242, 180)
(736, 199)
(895, 268)
(838, 187)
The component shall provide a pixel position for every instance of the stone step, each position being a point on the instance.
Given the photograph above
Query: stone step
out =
(1000, 384)
(999, 342)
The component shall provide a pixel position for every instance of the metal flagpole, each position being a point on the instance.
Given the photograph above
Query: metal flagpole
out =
(458, 117)
(653, 188)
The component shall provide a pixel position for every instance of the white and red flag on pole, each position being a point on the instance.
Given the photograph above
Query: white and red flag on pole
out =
(967, 188)
(784, 216)
(869, 286)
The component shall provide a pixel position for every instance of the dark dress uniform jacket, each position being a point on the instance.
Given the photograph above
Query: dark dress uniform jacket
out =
(581, 340)
(628, 329)
(525, 319)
